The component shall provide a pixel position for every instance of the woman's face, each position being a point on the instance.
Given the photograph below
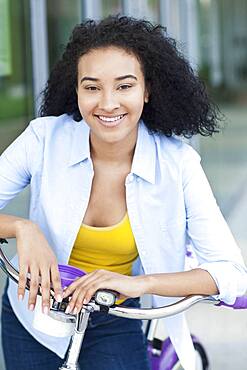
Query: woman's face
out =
(111, 93)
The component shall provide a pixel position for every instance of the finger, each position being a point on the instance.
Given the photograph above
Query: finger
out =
(78, 298)
(102, 284)
(34, 286)
(101, 280)
(23, 269)
(82, 282)
(45, 286)
(72, 302)
(90, 291)
(56, 283)
(86, 292)
(72, 287)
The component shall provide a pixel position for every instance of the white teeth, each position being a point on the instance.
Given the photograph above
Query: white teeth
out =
(110, 119)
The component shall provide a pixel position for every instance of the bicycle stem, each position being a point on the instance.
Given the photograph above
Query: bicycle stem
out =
(71, 361)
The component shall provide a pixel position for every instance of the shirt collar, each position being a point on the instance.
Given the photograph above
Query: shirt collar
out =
(80, 148)
(144, 160)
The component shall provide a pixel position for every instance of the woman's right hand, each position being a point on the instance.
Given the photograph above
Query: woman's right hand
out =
(36, 258)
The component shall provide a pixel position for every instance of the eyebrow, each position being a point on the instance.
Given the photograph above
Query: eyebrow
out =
(120, 78)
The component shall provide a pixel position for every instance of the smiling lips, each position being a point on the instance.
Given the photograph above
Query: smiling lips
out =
(110, 121)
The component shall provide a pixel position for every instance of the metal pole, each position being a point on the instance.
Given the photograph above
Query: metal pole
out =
(165, 15)
(91, 9)
(137, 8)
(215, 44)
(39, 43)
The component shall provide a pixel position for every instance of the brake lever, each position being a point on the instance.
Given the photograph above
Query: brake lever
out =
(2, 241)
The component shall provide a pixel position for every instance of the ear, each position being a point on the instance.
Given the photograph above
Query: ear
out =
(146, 96)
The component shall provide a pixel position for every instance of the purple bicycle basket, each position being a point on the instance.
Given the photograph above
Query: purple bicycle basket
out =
(68, 274)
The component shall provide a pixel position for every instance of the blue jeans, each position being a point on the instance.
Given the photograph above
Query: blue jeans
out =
(110, 343)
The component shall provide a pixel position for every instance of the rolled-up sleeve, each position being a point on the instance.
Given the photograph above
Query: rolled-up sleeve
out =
(17, 163)
(209, 234)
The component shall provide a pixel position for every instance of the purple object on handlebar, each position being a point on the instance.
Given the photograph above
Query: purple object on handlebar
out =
(68, 274)
(240, 303)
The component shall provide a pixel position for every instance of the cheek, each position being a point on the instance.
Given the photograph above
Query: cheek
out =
(136, 105)
(135, 101)
(86, 105)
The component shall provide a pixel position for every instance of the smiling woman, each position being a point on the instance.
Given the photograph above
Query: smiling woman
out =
(111, 95)
(115, 193)
(178, 101)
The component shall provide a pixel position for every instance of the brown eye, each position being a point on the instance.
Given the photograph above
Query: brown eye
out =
(91, 88)
(124, 87)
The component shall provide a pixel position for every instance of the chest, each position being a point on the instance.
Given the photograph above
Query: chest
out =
(107, 202)
(156, 211)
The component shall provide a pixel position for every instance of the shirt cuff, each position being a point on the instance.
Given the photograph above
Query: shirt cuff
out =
(231, 280)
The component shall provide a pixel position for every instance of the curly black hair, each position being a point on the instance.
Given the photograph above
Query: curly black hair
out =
(178, 102)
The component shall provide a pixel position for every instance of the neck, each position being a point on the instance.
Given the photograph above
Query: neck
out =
(114, 153)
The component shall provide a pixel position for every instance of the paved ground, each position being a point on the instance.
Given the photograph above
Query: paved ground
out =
(223, 331)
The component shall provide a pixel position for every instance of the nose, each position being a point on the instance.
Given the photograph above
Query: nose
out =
(108, 102)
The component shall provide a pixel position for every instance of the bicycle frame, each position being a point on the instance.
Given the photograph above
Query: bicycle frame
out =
(101, 302)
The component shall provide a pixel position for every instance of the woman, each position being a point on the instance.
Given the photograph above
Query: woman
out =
(113, 189)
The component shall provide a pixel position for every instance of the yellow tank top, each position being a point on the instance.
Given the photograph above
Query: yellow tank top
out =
(112, 248)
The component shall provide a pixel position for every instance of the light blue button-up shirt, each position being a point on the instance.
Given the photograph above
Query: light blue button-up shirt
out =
(169, 202)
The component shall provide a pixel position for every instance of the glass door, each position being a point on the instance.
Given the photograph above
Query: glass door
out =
(62, 16)
(16, 93)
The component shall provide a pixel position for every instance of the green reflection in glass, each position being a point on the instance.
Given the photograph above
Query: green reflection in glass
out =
(5, 52)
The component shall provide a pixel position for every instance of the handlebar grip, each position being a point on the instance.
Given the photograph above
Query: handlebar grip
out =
(239, 304)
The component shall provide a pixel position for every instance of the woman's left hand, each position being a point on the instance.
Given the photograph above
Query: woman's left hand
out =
(82, 289)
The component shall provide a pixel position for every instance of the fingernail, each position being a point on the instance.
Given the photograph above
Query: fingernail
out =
(64, 294)
(68, 309)
(75, 311)
(20, 297)
(85, 301)
(45, 310)
(31, 307)
(59, 298)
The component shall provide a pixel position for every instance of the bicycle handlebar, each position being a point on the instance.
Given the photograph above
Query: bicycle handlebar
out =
(160, 312)
(133, 313)
(174, 308)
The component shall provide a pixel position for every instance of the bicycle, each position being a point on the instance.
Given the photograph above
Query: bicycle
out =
(161, 353)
